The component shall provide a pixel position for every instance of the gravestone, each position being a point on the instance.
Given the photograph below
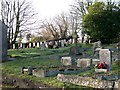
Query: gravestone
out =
(20, 45)
(13, 46)
(96, 48)
(75, 50)
(62, 43)
(23, 45)
(38, 45)
(84, 62)
(30, 45)
(99, 44)
(42, 46)
(39, 73)
(33, 44)
(3, 42)
(106, 57)
(66, 61)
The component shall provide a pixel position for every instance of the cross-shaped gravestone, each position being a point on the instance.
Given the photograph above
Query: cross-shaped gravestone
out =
(106, 57)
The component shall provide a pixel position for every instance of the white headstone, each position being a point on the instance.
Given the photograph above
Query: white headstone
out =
(66, 61)
(13, 46)
(33, 44)
(30, 45)
(105, 56)
(38, 45)
(21, 45)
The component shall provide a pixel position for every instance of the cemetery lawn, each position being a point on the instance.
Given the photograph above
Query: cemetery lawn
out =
(36, 57)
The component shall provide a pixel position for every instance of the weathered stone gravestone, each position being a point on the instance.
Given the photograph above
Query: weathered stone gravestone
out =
(42, 46)
(66, 61)
(75, 50)
(105, 56)
(62, 43)
(3, 42)
(39, 73)
(85, 62)
(96, 48)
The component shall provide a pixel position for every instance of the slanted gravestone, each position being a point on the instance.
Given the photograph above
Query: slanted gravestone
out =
(106, 57)
(66, 61)
(3, 42)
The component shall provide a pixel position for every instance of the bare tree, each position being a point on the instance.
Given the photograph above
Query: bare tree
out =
(18, 16)
(58, 27)
(78, 10)
(62, 25)
(50, 28)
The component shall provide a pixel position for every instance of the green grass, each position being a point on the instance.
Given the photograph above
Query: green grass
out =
(37, 57)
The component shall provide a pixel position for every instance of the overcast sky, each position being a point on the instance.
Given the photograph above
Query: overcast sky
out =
(51, 8)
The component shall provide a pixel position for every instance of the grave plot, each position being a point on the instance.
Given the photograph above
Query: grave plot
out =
(51, 71)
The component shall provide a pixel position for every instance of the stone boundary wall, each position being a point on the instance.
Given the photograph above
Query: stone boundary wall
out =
(88, 81)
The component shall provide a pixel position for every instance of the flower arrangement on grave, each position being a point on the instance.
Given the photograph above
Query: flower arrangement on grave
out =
(102, 65)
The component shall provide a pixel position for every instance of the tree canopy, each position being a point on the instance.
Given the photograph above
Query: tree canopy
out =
(102, 22)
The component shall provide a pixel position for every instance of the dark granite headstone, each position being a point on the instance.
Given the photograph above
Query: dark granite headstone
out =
(30, 70)
(75, 50)
(3, 42)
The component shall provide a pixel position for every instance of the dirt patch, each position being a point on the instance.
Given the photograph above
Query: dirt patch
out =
(17, 83)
